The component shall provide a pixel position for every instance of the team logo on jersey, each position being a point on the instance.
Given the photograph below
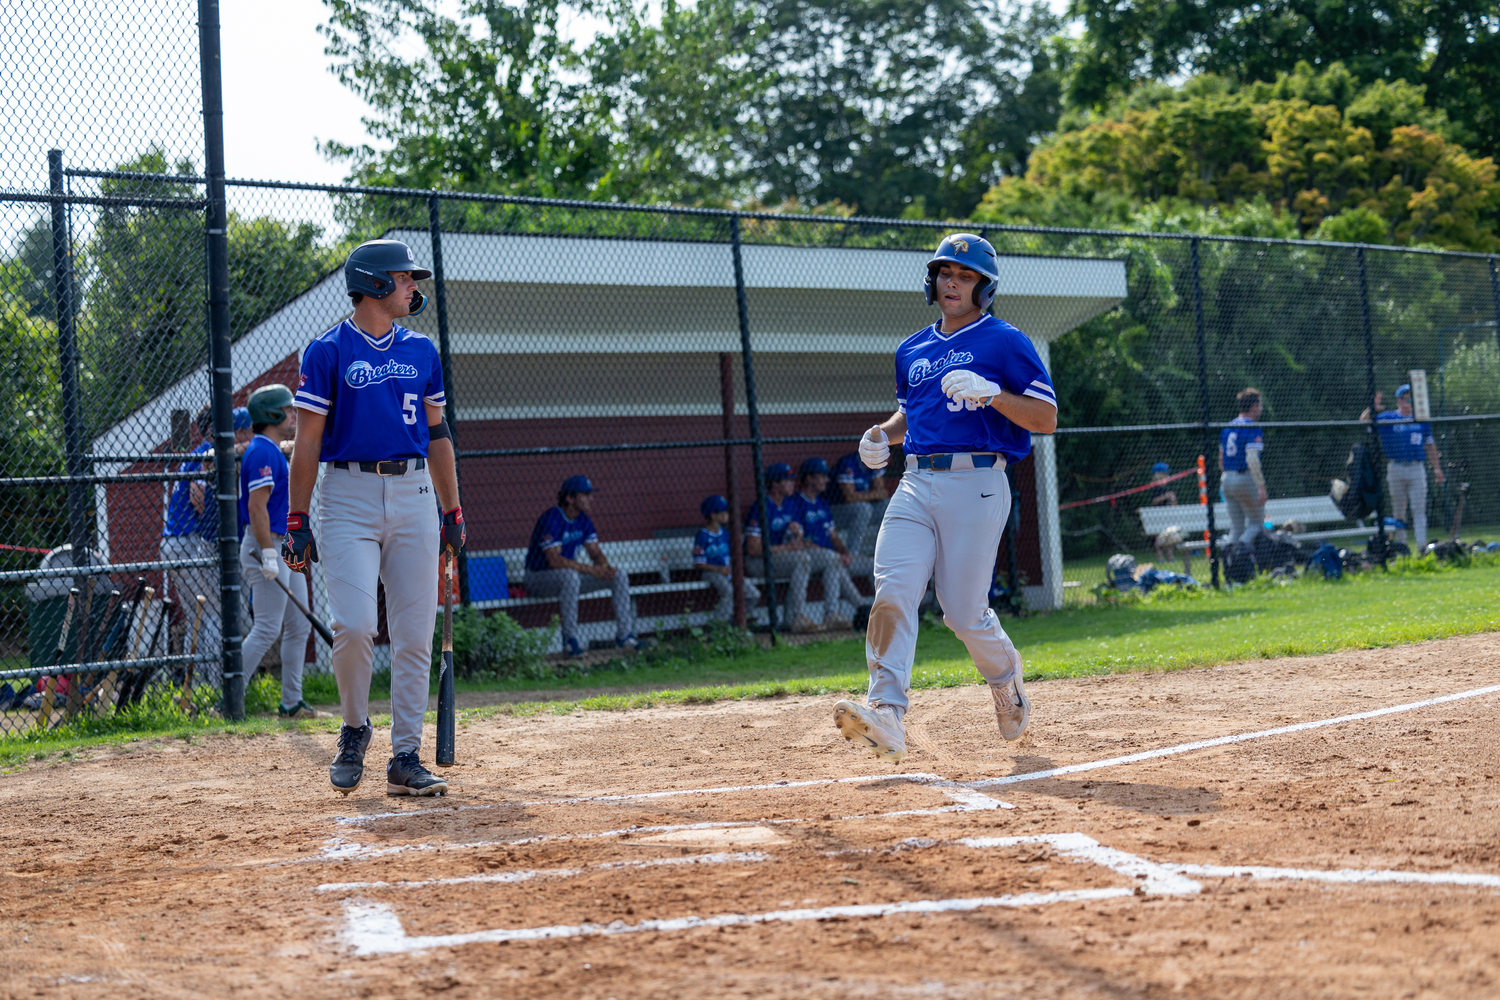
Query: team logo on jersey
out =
(362, 373)
(922, 369)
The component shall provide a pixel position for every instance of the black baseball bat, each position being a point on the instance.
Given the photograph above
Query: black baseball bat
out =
(319, 626)
(142, 677)
(49, 684)
(445, 722)
(84, 648)
(105, 693)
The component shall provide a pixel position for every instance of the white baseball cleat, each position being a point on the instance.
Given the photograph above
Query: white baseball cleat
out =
(1012, 707)
(873, 726)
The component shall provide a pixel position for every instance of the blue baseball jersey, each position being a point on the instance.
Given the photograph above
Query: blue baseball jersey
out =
(711, 548)
(1239, 437)
(781, 516)
(852, 471)
(264, 465)
(1403, 442)
(937, 425)
(181, 518)
(553, 529)
(816, 518)
(372, 391)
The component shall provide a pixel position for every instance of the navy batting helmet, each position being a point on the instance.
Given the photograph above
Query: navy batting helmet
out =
(269, 403)
(973, 252)
(368, 270)
(713, 505)
(577, 484)
(813, 466)
(777, 471)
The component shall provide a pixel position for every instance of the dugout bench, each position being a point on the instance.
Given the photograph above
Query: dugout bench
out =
(1192, 519)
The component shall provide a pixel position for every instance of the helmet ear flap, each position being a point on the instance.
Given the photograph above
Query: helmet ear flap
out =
(418, 302)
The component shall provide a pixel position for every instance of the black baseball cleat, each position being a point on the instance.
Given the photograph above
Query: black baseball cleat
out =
(349, 766)
(405, 775)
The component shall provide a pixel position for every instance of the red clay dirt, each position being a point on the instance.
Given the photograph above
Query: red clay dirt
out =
(228, 867)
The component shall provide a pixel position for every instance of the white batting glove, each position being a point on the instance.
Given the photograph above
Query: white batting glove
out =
(270, 563)
(875, 449)
(969, 385)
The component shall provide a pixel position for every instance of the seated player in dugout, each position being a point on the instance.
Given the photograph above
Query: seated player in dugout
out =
(711, 556)
(827, 556)
(1162, 495)
(554, 570)
(784, 540)
(970, 391)
(858, 494)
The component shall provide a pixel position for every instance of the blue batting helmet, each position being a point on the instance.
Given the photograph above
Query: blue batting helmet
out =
(368, 270)
(577, 484)
(778, 471)
(973, 252)
(713, 505)
(1404, 389)
(813, 466)
(1161, 467)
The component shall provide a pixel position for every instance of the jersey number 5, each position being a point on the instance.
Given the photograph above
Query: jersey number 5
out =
(409, 407)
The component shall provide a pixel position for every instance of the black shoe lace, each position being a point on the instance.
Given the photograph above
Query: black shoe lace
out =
(349, 740)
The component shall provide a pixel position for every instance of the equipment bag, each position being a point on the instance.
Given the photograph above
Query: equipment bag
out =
(1239, 563)
(1363, 495)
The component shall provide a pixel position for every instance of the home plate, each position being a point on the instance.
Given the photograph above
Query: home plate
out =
(735, 836)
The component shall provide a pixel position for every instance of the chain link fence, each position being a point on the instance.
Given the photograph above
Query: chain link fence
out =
(670, 355)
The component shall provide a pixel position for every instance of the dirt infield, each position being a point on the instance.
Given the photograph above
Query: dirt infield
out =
(621, 855)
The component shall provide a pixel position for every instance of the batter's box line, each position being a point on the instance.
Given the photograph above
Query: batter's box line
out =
(526, 875)
(373, 928)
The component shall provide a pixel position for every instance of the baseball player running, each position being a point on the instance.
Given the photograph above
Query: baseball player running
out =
(263, 511)
(969, 389)
(371, 396)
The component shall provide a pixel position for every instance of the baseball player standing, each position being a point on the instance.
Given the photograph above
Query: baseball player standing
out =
(1405, 446)
(371, 396)
(969, 389)
(1243, 484)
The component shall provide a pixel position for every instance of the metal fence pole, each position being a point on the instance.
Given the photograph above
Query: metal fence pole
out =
(732, 484)
(440, 294)
(216, 219)
(1374, 436)
(754, 414)
(1495, 297)
(1210, 552)
(67, 363)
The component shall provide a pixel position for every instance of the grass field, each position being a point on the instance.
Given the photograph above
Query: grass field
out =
(1418, 600)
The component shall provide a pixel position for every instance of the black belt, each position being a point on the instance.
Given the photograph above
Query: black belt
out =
(943, 463)
(390, 467)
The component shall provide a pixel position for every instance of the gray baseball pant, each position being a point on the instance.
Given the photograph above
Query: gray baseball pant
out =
(1408, 484)
(938, 527)
(838, 589)
(567, 584)
(795, 569)
(191, 581)
(1246, 514)
(381, 528)
(724, 586)
(275, 617)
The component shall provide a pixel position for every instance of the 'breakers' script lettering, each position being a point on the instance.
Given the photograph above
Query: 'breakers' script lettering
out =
(362, 373)
(923, 369)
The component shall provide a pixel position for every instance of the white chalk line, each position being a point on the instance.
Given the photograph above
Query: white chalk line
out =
(526, 875)
(950, 786)
(1343, 876)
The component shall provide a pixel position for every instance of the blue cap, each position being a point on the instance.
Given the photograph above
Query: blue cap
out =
(778, 471)
(577, 484)
(813, 466)
(1161, 467)
(1404, 389)
(242, 418)
(713, 505)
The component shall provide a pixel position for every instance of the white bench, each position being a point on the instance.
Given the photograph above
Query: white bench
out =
(657, 556)
(1192, 519)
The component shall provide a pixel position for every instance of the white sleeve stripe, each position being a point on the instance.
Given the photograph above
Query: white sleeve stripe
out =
(1044, 387)
(313, 407)
(437, 400)
(304, 394)
(1036, 395)
(256, 484)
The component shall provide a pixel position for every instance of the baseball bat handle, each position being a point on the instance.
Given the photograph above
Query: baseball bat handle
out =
(446, 729)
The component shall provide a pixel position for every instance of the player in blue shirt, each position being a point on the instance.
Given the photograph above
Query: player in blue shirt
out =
(190, 530)
(711, 555)
(1406, 446)
(553, 568)
(857, 496)
(827, 556)
(1242, 483)
(970, 389)
(264, 476)
(371, 396)
(789, 558)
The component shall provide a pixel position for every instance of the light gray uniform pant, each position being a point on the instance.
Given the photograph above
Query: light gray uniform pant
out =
(191, 581)
(724, 586)
(1246, 515)
(381, 528)
(275, 617)
(567, 584)
(795, 569)
(840, 596)
(938, 527)
(1408, 485)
